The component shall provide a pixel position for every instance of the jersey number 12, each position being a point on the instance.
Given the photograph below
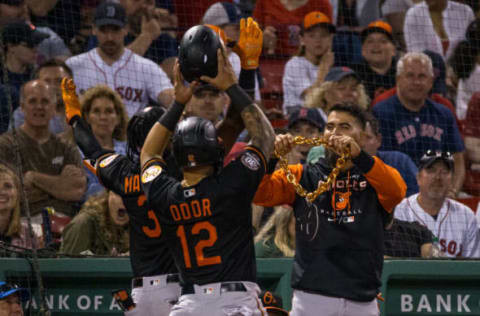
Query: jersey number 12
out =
(200, 258)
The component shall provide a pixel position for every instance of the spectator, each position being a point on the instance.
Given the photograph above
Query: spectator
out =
(436, 25)
(135, 78)
(53, 169)
(149, 32)
(355, 15)
(307, 123)
(412, 123)
(20, 48)
(103, 110)
(453, 223)
(465, 63)
(378, 66)
(52, 72)
(308, 69)
(281, 21)
(341, 85)
(207, 102)
(13, 230)
(11, 299)
(101, 228)
(51, 47)
(471, 132)
(400, 161)
(408, 240)
(276, 239)
(394, 13)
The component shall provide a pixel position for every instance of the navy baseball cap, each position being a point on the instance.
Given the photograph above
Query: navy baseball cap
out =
(338, 73)
(12, 2)
(311, 116)
(20, 32)
(432, 156)
(110, 13)
(7, 289)
(205, 86)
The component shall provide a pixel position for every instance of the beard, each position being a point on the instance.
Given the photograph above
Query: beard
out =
(110, 49)
(331, 157)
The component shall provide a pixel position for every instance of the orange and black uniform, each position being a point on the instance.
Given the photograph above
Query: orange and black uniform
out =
(339, 237)
(209, 225)
(149, 255)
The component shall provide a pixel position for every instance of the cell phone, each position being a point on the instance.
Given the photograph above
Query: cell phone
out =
(123, 299)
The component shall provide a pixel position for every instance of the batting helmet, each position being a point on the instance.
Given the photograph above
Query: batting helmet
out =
(195, 143)
(197, 54)
(138, 128)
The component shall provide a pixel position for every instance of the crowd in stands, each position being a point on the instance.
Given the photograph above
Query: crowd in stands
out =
(413, 65)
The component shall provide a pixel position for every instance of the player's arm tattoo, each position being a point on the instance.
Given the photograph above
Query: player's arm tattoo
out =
(259, 128)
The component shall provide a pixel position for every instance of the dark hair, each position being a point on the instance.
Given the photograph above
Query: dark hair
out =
(53, 63)
(373, 122)
(463, 59)
(353, 109)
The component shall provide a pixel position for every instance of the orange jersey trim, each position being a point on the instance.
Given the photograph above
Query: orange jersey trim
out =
(275, 189)
(388, 183)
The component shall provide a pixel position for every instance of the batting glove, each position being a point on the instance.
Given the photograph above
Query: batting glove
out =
(70, 99)
(249, 45)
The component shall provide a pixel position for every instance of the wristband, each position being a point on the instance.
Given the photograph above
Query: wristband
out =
(246, 80)
(240, 99)
(170, 119)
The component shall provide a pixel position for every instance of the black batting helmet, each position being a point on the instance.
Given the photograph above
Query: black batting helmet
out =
(195, 143)
(197, 53)
(138, 128)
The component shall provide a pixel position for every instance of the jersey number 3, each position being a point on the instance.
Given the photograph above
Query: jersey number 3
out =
(212, 238)
(157, 230)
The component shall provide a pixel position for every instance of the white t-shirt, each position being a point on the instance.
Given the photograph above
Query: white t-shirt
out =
(419, 32)
(135, 78)
(456, 226)
(299, 74)
(466, 88)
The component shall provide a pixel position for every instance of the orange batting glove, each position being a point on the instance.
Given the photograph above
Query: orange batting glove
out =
(249, 45)
(70, 99)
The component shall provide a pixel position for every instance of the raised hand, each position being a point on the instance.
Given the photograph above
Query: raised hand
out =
(70, 99)
(343, 144)
(183, 93)
(249, 44)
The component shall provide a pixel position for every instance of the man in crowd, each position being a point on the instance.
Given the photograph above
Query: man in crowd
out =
(412, 123)
(53, 173)
(207, 102)
(135, 78)
(453, 223)
(11, 298)
(377, 69)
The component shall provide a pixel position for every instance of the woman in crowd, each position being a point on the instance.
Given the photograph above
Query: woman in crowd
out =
(13, 230)
(308, 69)
(341, 85)
(100, 228)
(105, 112)
(465, 63)
(276, 239)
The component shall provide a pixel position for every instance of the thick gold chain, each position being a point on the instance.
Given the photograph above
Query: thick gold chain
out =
(322, 186)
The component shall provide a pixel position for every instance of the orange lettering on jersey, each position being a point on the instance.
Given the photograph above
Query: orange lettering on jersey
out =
(175, 212)
(141, 200)
(185, 211)
(132, 184)
(128, 184)
(206, 207)
(197, 212)
(136, 183)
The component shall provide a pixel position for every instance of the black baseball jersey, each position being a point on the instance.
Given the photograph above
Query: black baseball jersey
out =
(405, 239)
(149, 255)
(210, 222)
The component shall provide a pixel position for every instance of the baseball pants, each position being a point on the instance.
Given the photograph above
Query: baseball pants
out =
(220, 299)
(154, 295)
(307, 304)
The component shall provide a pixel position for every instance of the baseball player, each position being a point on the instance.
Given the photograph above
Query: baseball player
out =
(135, 78)
(453, 223)
(339, 236)
(208, 216)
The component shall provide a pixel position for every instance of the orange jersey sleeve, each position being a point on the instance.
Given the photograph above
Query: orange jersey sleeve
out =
(388, 183)
(275, 189)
